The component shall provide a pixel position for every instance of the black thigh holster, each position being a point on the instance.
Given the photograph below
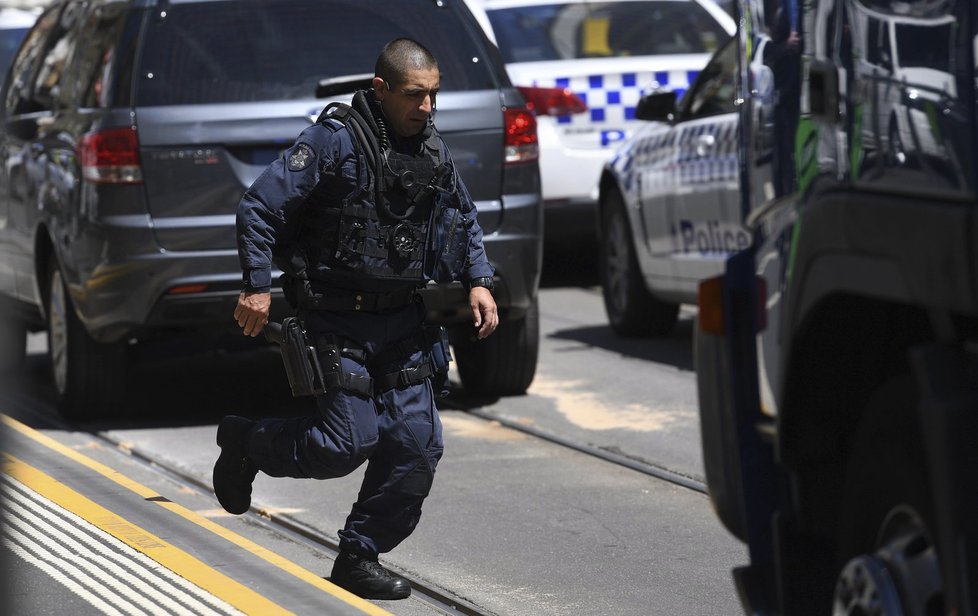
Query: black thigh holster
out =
(315, 366)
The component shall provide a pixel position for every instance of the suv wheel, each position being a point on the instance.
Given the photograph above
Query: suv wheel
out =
(89, 377)
(632, 310)
(504, 363)
(13, 343)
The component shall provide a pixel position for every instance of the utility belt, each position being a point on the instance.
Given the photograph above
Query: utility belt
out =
(357, 300)
(315, 366)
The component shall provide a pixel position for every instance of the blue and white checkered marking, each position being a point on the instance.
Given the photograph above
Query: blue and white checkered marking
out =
(612, 99)
(668, 159)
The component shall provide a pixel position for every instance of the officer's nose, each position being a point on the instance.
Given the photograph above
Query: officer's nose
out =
(428, 103)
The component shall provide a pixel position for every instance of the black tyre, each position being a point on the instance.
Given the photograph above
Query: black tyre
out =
(503, 364)
(632, 310)
(13, 342)
(89, 377)
(889, 563)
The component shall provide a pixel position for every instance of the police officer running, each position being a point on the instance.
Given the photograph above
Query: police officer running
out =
(364, 209)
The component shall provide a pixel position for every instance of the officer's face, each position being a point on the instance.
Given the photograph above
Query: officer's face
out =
(408, 105)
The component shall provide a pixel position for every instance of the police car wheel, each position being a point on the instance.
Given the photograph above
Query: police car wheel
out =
(632, 310)
(884, 542)
(89, 377)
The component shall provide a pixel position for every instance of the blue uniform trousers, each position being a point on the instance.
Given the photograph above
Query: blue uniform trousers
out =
(397, 432)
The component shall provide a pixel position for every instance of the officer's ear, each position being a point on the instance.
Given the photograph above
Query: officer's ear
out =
(380, 87)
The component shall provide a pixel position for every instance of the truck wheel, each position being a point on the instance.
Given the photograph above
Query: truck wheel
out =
(504, 363)
(890, 559)
(89, 377)
(632, 310)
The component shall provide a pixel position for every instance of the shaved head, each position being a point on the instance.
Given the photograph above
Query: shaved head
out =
(401, 56)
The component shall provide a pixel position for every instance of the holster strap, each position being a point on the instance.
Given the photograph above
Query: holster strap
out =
(329, 350)
(403, 377)
(356, 383)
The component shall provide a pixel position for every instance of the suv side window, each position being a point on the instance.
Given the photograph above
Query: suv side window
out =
(21, 76)
(715, 89)
(47, 86)
(93, 60)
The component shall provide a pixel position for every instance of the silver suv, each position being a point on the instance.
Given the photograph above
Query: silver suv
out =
(131, 130)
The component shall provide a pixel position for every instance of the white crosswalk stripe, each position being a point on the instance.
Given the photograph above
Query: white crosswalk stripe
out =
(96, 566)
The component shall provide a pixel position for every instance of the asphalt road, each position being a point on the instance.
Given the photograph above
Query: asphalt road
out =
(515, 525)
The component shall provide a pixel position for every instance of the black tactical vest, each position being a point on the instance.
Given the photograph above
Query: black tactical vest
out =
(403, 224)
(384, 234)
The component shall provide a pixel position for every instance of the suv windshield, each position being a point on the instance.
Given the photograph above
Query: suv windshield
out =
(253, 50)
(544, 32)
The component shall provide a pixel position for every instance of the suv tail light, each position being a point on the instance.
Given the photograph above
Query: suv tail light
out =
(521, 135)
(111, 156)
(552, 101)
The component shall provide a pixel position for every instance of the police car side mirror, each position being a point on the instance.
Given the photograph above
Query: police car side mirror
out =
(656, 107)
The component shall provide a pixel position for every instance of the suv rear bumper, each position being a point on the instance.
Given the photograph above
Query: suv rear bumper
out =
(194, 291)
(197, 291)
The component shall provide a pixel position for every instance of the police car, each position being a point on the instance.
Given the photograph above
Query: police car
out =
(669, 202)
(584, 66)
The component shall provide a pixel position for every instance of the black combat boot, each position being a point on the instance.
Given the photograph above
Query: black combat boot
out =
(365, 577)
(233, 471)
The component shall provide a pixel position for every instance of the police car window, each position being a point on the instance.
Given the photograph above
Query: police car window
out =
(714, 90)
(253, 50)
(543, 32)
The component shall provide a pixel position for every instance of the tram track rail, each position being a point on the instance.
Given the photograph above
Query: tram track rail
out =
(618, 459)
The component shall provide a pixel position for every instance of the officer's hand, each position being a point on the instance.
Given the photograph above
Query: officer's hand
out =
(251, 313)
(484, 315)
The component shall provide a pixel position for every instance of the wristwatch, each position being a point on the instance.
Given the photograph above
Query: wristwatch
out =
(482, 281)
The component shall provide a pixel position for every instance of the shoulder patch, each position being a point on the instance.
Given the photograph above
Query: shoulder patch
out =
(300, 157)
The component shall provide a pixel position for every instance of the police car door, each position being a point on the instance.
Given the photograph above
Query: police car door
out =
(704, 217)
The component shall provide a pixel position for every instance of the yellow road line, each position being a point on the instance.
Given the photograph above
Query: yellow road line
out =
(173, 558)
(267, 555)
